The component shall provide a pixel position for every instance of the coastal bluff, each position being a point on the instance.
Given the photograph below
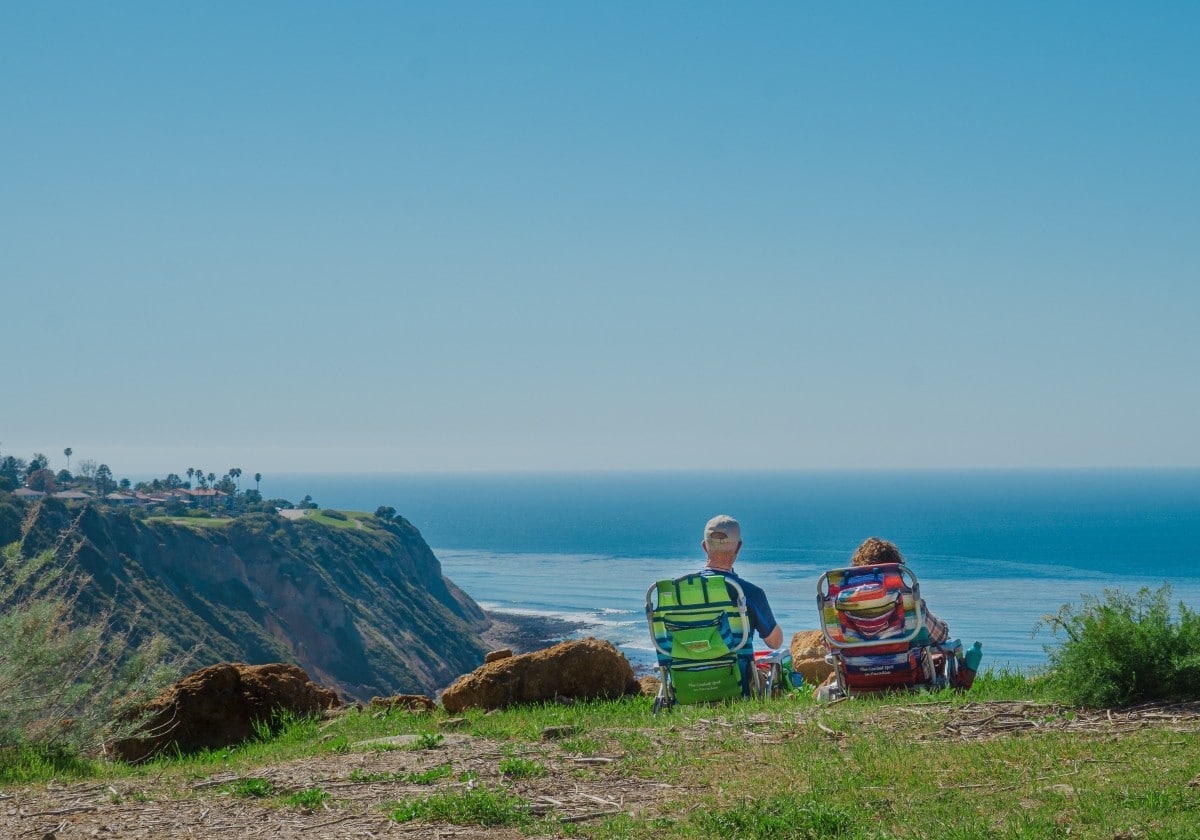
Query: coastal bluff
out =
(364, 610)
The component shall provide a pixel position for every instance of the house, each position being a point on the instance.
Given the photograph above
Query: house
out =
(28, 495)
(73, 495)
(207, 497)
(118, 498)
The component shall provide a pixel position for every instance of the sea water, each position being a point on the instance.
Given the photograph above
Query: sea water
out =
(995, 551)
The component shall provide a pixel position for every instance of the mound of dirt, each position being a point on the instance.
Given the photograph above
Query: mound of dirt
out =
(221, 705)
(586, 668)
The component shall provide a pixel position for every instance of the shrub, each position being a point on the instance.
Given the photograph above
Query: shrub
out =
(1124, 650)
(334, 514)
(68, 684)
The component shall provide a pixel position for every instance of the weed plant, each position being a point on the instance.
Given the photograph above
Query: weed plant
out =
(474, 806)
(66, 686)
(1125, 649)
(311, 798)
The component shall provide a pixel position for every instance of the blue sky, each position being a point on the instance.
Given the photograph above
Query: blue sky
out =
(560, 236)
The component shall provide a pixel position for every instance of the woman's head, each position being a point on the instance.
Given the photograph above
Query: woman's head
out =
(875, 551)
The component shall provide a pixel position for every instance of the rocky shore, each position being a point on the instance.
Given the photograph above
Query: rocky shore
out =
(526, 633)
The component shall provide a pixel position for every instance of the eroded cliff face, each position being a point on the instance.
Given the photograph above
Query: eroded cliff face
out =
(363, 610)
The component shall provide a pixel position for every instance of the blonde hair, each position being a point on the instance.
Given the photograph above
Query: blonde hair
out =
(875, 551)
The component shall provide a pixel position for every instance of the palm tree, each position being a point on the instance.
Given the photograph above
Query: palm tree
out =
(257, 478)
(236, 474)
(191, 472)
(68, 452)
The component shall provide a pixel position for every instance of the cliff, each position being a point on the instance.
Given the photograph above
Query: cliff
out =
(364, 609)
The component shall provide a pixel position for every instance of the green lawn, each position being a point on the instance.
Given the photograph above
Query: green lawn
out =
(977, 766)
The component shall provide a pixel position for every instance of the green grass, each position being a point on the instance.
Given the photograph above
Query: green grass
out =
(475, 806)
(351, 520)
(251, 788)
(194, 521)
(891, 767)
(311, 798)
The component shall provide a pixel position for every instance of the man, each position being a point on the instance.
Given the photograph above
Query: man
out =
(722, 541)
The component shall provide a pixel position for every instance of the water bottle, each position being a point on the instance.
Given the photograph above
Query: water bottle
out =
(971, 665)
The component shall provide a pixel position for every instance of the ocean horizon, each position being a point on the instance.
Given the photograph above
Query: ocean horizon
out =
(994, 550)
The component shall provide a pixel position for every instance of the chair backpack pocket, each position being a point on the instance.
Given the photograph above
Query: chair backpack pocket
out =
(701, 639)
(702, 682)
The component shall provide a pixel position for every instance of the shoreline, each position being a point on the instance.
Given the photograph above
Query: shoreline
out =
(526, 633)
(522, 633)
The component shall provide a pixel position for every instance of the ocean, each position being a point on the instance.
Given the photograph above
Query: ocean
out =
(994, 550)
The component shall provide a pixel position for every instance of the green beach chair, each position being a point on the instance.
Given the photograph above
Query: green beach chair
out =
(702, 639)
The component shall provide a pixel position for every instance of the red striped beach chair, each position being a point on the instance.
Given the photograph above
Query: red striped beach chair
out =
(873, 621)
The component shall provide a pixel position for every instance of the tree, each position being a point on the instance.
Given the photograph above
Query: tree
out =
(37, 462)
(12, 469)
(191, 472)
(87, 468)
(124, 484)
(68, 452)
(257, 479)
(236, 474)
(385, 512)
(63, 477)
(42, 480)
(104, 479)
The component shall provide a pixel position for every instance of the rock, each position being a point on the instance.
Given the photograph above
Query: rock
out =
(649, 685)
(411, 702)
(808, 656)
(220, 705)
(579, 669)
(493, 655)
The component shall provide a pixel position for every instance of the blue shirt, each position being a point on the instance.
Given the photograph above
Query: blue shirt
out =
(762, 620)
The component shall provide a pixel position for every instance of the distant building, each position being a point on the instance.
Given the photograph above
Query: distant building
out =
(27, 494)
(73, 495)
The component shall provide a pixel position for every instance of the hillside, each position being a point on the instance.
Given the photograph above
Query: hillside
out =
(363, 609)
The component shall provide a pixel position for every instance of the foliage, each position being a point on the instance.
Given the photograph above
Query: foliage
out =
(1125, 649)
(428, 741)
(474, 806)
(782, 815)
(252, 787)
(522, 768)
(313, 797)
(330, 513)
(68, 683)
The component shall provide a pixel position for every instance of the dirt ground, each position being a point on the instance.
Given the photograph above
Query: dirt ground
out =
(574, 789)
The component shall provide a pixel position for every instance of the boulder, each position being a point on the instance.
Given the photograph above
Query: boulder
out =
(584, 668)
(808, 656)
(407, 702)
(221, 705)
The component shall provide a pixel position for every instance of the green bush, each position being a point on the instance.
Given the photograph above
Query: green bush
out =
(1124, 650)
(334, 514)
(69, 683)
